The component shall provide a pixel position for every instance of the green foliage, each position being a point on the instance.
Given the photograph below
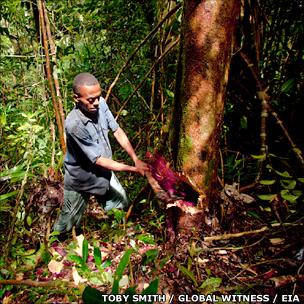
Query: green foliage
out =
(119, 216)
(24, 131)
(152, 288)
(85, 250)
(6, 196)
(146, 238)
(150, 256)
(282, 185)
(93, 37)
(266, 197)
(120, 269)
(238, 168)
(92, 295)
(210, 285)
(98, 37)
(273, 50)
(4, 274)
(97, 257)
(189, 274)
(79, 261)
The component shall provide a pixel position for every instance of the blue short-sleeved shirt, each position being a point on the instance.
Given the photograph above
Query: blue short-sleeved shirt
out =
(86, 141)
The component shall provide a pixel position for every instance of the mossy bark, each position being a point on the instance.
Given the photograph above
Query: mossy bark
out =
(207, 33)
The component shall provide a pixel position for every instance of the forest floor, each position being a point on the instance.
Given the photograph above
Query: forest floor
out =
(249, 254)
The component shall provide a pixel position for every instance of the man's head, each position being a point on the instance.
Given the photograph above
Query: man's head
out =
(87, 92)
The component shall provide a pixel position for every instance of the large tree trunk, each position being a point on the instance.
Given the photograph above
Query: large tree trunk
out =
(207, 40)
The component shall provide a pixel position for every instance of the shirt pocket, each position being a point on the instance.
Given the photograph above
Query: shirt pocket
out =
(100, 139)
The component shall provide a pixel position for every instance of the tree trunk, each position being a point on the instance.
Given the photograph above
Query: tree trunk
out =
(207, 40)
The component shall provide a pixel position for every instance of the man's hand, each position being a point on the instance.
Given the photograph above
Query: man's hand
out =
(141, 167)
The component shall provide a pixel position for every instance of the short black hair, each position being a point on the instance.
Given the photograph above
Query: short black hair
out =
(83, 79)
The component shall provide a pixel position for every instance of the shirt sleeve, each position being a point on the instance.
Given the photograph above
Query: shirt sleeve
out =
(112, 123)
(85, 143)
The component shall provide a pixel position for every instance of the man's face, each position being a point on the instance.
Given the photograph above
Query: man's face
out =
(88, 99)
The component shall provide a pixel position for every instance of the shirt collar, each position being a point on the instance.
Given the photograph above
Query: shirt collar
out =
(84, 119)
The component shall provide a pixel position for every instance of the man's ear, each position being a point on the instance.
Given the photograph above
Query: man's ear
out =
(75, 97)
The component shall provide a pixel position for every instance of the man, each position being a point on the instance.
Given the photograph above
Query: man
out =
(88, 162)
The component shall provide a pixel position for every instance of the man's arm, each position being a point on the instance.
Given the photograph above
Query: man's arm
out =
(113, 165)
(123, 140)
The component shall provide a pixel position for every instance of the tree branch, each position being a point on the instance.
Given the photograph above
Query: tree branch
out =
(246, 233)
(266, 107)
(170, 13)
(54, 59)
(49, 74)
(172, 45)
(32, 283)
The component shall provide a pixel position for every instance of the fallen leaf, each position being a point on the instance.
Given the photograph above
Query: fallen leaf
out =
(141, 286)
(124, 281)
(222, 251)
(55, 267)
(76, 277)
(80, 239)
(277, 241)
(202, 261)
(8, 300)
(19, 276)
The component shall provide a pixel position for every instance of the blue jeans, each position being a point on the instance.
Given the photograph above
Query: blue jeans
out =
(75, 204)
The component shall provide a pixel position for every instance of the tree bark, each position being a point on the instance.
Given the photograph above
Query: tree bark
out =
(207, 35)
